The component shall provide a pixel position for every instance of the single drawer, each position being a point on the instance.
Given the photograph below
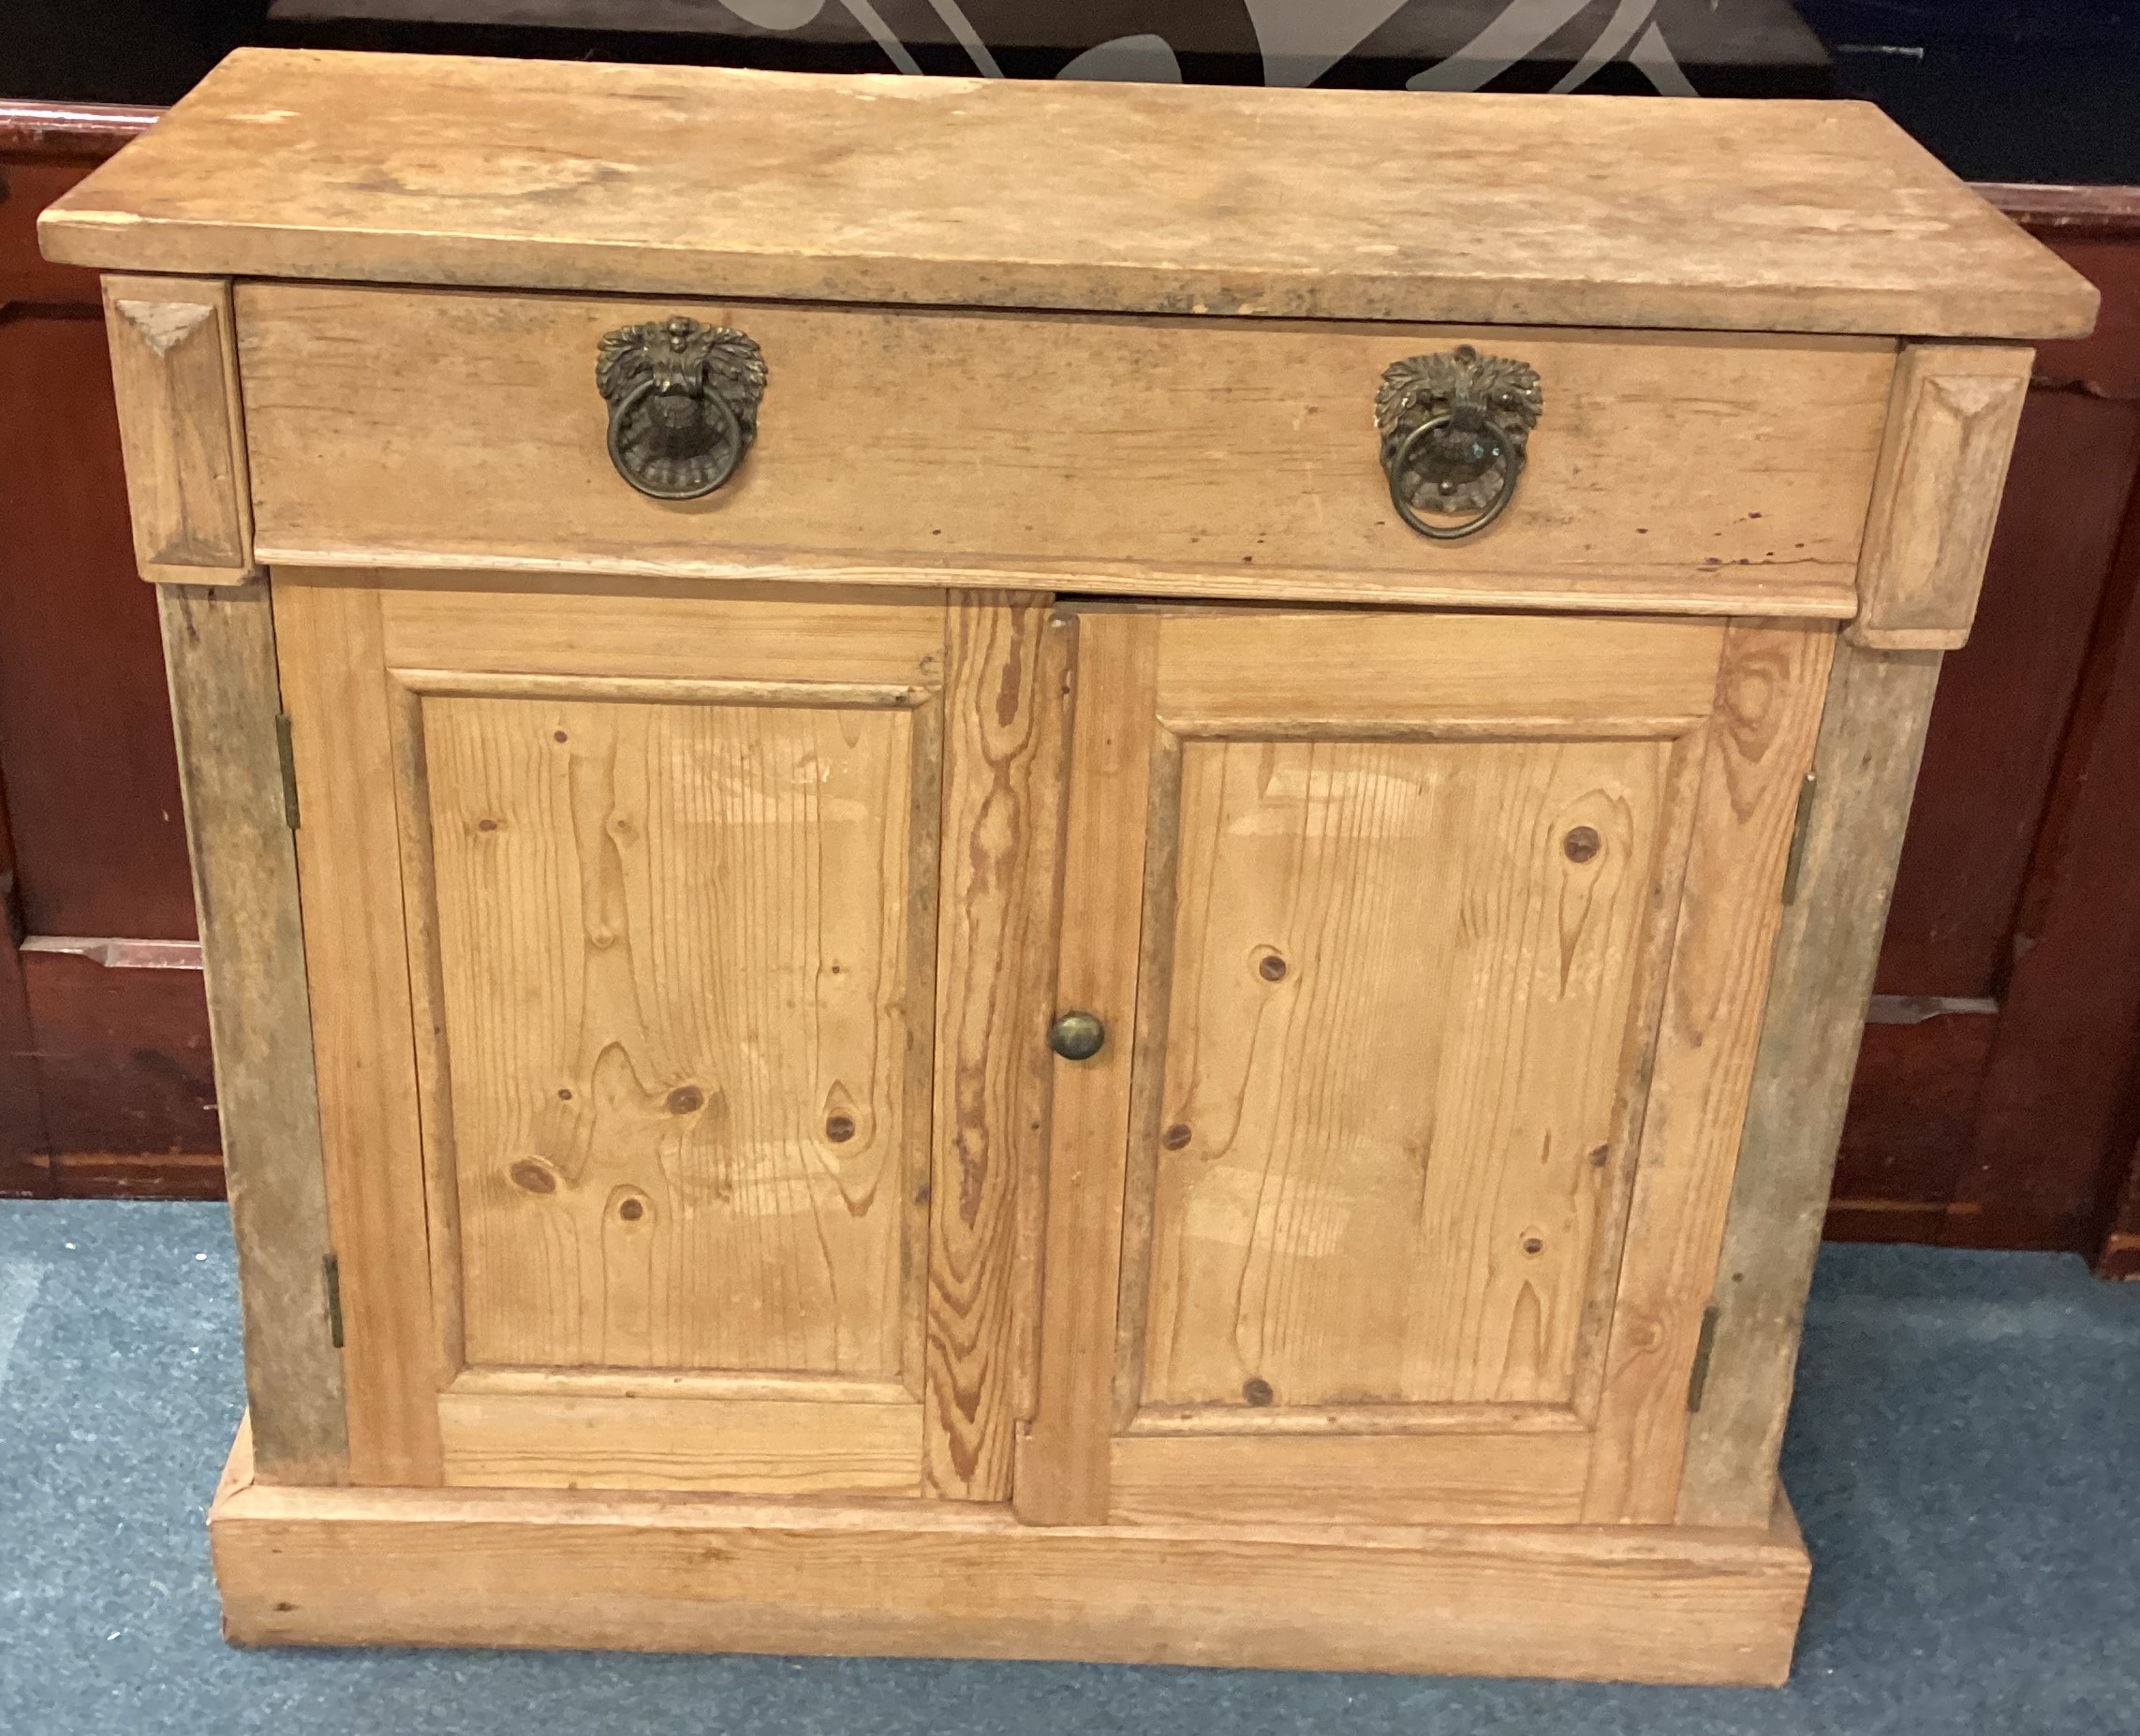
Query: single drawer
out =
(1197, 456)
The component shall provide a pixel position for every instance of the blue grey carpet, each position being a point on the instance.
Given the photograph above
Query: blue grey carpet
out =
(1965, 1457)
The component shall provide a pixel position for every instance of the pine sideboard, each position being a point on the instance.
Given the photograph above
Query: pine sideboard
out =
(1039, 870)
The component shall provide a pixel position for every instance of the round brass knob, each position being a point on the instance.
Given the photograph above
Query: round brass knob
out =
(1076, 1035)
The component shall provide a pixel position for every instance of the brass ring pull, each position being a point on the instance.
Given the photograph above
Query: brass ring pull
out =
(1455, 426)
(682, 402)
(1475, 444)
(1077, 1036)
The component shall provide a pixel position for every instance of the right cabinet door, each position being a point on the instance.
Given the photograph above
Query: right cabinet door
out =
(1431, 951)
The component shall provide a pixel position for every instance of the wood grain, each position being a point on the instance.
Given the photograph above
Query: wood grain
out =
(676, 995)
(1653, 964)
(952, 1579)
(1351, 1480)
(1241, 671)
(1148, 1073)
(646, 630)
(1542, 210)
(1872, 731)
(1950, 429)
(334, 685)
(1769, 696)
(1062, 1458)
(1392, 1051)
(668, 1384)
(1676, 472)
(174, 368)
(1005, 714)
(220, 648)
(769, 1446)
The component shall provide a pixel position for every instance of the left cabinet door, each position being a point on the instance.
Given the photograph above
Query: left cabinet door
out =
(621, 921)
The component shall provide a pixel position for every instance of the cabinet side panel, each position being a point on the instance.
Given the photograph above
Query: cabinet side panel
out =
(335, 689)
(1760, 742)
(220, 652)
(1004, 713)
(1872, 734)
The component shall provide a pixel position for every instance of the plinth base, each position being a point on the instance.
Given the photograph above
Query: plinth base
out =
(301, 1566)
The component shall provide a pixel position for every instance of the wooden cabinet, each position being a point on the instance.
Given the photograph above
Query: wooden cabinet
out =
(1099, 928)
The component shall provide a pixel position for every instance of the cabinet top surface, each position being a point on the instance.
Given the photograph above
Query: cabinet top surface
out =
(1805, 217)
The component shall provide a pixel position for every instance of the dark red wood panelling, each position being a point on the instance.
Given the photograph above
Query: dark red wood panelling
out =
(2054, 1118)
(123, 1056)
(2120, 1254)
(85, 744)
(2005, 698)
(23, 1147)
(26, 276)
(105, 1082)
(1911, 1121)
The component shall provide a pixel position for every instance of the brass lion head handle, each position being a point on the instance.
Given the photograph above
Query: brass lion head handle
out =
(682, 402)
(1454, 425)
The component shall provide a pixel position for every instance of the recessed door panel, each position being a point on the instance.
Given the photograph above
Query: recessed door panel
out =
(1402, 974)
(672, 951)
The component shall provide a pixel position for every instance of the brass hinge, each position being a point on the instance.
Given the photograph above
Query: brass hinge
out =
(1799, 828)
(1698, 1377)
(288, 770)
(331, 1275)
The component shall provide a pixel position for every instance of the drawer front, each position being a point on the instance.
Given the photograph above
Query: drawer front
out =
(1214, 457)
